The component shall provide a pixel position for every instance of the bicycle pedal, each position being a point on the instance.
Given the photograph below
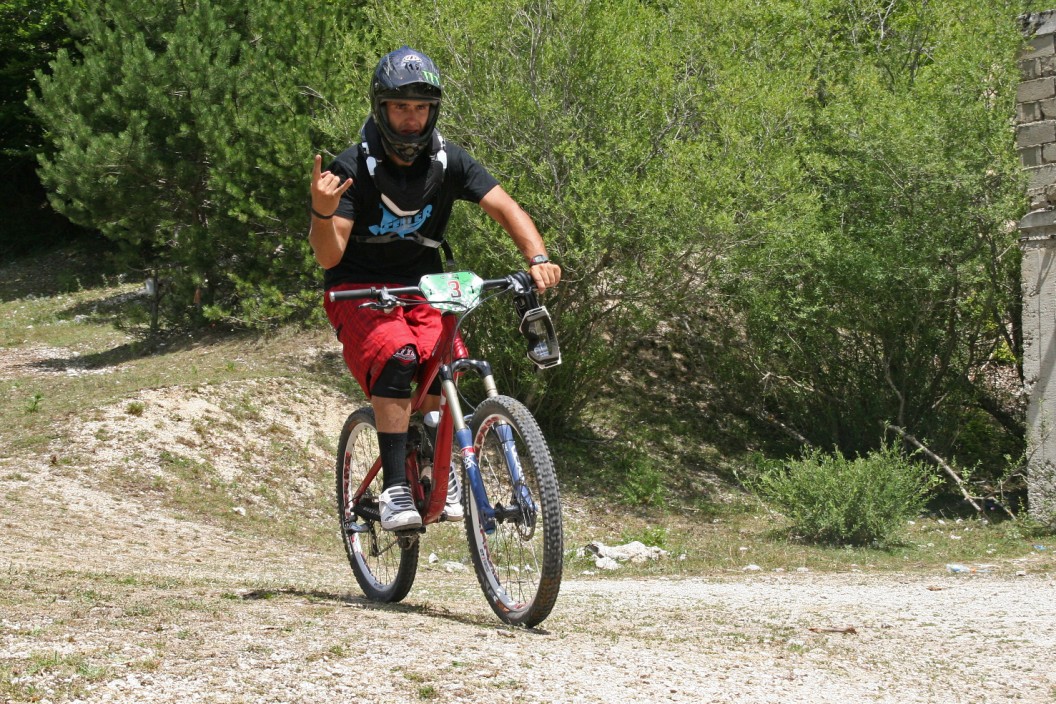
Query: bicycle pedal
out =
(353, 527)
(408, 537)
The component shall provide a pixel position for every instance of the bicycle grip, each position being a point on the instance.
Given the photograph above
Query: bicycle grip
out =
(352, 294)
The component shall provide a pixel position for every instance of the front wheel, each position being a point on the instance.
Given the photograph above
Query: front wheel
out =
(518, 553)
(384, 567)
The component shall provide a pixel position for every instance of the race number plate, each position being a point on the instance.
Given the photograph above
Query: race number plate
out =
(455, 291)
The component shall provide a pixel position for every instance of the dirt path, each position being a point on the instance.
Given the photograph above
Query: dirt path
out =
(104, 601)
(107, 596)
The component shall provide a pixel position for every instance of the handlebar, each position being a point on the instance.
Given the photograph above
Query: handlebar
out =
(519, 281)
(535, 325)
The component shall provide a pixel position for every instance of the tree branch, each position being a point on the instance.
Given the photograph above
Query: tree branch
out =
(939, 461)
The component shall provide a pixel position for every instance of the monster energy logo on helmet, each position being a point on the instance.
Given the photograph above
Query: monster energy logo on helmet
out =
(405, 74)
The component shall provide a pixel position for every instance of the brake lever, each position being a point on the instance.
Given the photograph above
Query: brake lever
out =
(386, 302)
(521, 283)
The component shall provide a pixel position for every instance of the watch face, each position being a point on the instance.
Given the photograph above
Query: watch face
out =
(540, 259)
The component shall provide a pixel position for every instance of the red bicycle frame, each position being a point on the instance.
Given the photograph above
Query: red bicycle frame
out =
(449, 348)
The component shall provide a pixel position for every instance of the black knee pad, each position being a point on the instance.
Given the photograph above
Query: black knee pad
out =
(394, 380)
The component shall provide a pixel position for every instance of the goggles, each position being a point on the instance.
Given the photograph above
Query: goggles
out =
(538, 328)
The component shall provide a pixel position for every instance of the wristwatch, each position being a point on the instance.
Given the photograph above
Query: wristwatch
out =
(538, 259)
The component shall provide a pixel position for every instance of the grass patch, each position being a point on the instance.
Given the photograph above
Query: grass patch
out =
(33, 404)
(50, 675)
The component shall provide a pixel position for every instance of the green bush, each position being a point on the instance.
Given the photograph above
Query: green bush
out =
(643, 483)
(864, 501)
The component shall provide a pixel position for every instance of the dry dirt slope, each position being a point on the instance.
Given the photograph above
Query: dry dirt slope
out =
(107, 596)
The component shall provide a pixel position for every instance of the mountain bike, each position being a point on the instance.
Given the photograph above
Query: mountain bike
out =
(511, 500)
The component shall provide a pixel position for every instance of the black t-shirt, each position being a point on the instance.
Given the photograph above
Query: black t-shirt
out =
(399, 261)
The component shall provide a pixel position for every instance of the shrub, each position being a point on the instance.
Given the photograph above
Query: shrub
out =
(864, 501)
(643, 483)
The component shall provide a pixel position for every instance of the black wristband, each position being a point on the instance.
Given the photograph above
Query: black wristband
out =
(320, 215)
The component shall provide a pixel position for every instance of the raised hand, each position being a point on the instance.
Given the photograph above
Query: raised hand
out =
(326, 189)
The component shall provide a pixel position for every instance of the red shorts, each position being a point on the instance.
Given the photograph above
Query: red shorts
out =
(370, 337)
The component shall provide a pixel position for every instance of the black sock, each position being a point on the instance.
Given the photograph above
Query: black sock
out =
(393, 459)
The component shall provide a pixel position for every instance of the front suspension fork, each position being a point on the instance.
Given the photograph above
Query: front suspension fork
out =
(523, 509)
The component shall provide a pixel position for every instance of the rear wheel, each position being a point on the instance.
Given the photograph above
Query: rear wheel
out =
(384, 565)
(518, 555)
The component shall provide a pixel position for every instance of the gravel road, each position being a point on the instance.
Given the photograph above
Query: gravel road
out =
(103, 601)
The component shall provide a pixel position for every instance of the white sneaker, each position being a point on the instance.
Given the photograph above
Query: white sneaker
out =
(397, 509)
(453, 507)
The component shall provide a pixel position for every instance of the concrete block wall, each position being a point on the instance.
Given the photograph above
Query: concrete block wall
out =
(1036, 143)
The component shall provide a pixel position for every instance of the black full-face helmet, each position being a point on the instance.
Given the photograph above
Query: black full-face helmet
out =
(405, 74)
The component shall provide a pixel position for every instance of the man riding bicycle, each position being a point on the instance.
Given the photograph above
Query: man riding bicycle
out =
(379, 216)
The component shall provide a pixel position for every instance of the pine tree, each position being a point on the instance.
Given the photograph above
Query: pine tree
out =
(184, 131)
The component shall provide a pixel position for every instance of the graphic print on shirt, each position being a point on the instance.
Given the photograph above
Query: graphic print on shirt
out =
(401, 226)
